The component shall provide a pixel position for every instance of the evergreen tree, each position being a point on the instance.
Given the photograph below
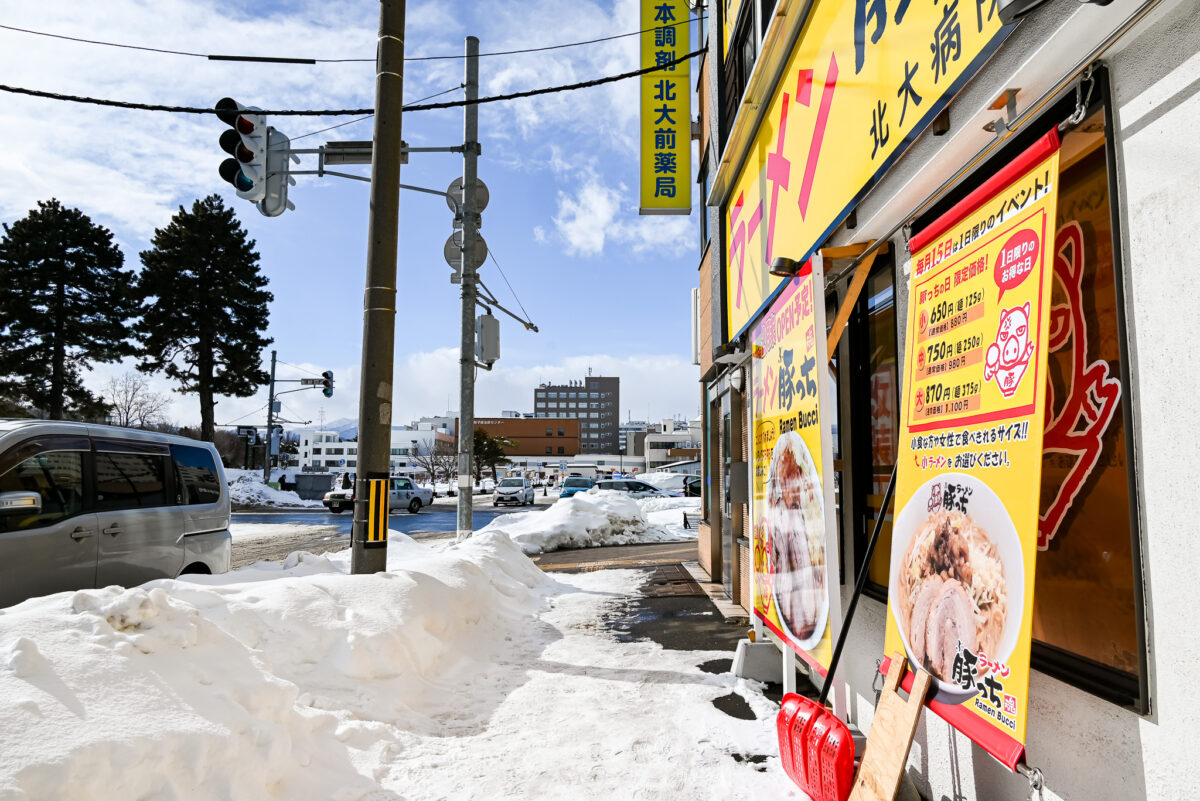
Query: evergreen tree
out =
(489, 453)
(65, 304)
(204, 307)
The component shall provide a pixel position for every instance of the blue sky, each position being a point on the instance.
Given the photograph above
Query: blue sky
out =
(607, 288)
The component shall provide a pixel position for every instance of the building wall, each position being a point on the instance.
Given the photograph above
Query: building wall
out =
(533, 437)
(599, 416)
(1086, 747)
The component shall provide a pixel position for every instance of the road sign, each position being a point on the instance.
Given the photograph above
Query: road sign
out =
(454, 194)
(562, 466)
(341, 462)
(453, 251)
(312, 382)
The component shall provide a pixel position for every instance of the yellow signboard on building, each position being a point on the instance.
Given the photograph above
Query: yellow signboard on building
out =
(865, 78)
(795, 548)
(960, 590)
(665, 173)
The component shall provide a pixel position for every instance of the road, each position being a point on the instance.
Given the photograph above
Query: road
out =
(320, 531)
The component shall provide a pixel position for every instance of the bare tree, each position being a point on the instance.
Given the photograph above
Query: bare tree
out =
(438, 462)
(133, 403)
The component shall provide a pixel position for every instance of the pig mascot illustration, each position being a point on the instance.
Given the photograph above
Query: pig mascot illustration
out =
(1008, 357)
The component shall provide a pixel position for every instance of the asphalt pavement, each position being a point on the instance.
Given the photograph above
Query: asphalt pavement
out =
(441, 517)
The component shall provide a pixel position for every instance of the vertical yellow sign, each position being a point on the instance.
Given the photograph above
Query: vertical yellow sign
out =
(665, 171)
(960, 595)
(377, 516)
(794, 548)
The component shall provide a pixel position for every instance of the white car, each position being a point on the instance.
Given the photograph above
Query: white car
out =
(403, 494)
(636, 488)
(513, 490)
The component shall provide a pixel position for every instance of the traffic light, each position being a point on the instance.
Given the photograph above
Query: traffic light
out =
(246, 141)
(278, 164)
(327, 383)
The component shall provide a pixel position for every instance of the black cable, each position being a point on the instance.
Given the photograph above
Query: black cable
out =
(356, 111)
(528, 316)
(331, 127)
(284, 60)
(369, 116)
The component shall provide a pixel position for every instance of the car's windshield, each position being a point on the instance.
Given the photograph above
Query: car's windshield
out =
(511, 482)
(577, 482)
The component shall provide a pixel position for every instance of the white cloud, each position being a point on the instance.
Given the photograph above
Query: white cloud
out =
(539, 234)
(597, 213)
(585, 219)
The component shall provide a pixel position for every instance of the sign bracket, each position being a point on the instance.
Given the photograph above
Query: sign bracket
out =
(856, 284)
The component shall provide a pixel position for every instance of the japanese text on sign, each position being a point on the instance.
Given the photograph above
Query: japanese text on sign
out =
(665, 174)
(864, 80)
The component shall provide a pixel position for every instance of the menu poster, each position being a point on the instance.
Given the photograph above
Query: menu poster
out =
(960, 594)
(794, 548)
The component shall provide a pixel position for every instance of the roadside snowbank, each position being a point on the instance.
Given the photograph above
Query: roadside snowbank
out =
(246, 488)
(297, 680)
(593, 519)
(250, 684)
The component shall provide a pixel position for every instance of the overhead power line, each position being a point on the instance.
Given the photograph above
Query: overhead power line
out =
(295, 60)
(369, 116)
(356, 111)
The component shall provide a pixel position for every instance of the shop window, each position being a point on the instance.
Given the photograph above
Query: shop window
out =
(1088, 613)
(874, 393)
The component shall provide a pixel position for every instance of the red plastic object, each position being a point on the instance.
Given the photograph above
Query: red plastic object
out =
(816, 748)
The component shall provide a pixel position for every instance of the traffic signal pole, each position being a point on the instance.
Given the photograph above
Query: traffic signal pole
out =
(466, 414)
(270, 423)
(379, 298)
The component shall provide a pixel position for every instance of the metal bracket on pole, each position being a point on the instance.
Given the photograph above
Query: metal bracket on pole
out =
(489, 301)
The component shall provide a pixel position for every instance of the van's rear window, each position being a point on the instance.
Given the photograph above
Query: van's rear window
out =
(197, 475)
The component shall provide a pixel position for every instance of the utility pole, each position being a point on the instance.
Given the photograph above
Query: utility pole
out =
(379, 297)
(270, 423)
(466, 414)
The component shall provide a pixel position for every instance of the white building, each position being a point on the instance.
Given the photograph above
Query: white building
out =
(325, 451)
(664, 446)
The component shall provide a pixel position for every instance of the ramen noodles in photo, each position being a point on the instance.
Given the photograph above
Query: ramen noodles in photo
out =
(795, 521)
(952, 594)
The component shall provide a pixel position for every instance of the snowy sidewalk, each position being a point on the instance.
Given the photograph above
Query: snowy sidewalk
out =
(463, 672)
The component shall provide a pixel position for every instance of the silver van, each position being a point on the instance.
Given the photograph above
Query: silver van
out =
(90, 505)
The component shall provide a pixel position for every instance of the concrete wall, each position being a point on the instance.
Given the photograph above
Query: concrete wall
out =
(1090, 749)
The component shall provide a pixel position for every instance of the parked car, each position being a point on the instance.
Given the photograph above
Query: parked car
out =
(85, 506)
(574, 484)
(513, 490)
(637, 488)
(672, 482)
(403, 493)
(691, 486)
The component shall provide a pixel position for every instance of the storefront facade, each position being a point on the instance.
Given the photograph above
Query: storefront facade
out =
(1114, 646)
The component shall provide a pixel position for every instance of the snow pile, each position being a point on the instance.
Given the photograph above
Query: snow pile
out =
(593, 519)
(246, 488)
(274, 681)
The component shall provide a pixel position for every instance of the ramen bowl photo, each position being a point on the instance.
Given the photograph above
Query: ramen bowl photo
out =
(957, 579)
(795, 520)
